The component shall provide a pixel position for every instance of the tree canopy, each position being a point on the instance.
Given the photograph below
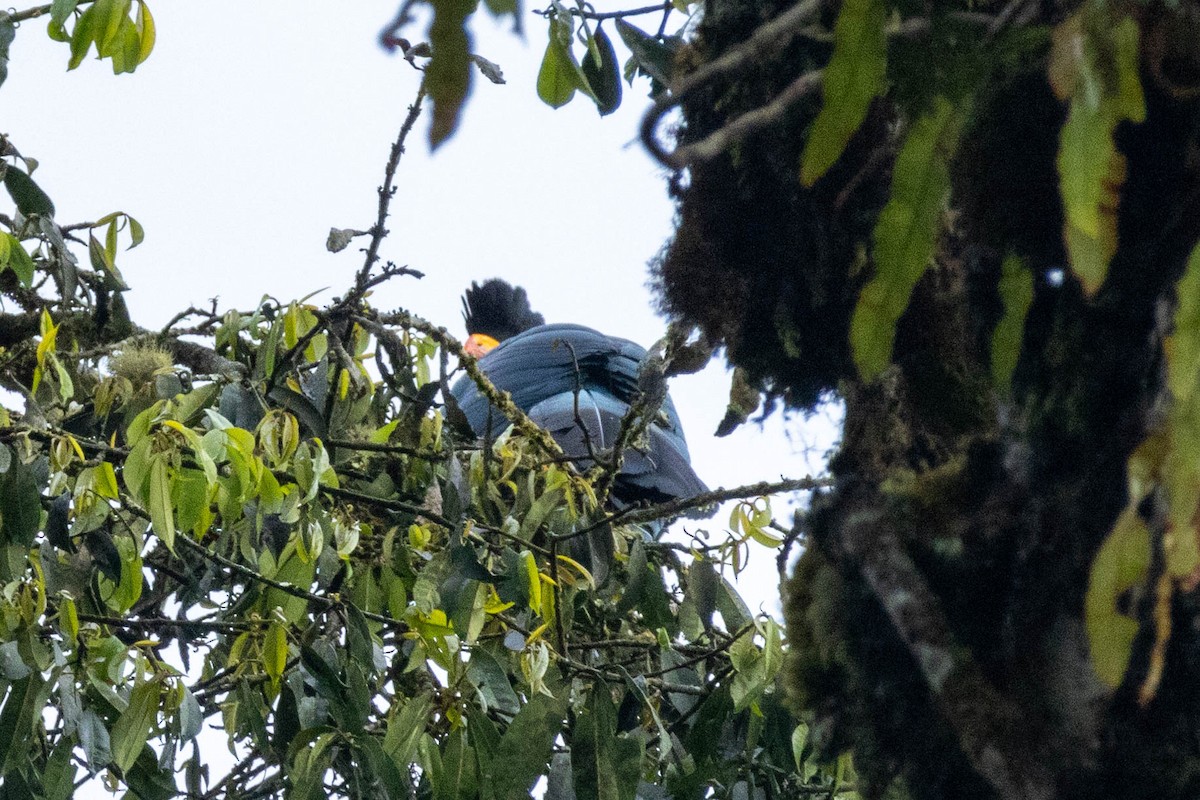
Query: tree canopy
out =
(974, 224)
(254, 553)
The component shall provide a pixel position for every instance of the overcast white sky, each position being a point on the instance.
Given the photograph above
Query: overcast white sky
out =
(255, 127)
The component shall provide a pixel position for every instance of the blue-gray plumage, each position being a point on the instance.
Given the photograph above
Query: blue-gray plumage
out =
(578, 384)
(547, 367)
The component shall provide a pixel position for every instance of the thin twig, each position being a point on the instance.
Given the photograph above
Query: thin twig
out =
(766, 39)
(31, 13)
(673, 508)
(388, 190)
(601, 15)
(739, 128)
(163, 622)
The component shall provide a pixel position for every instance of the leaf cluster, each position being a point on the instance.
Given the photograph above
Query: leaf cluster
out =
(263, 521)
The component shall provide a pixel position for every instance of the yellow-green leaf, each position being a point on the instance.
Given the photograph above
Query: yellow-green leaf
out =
(13, 256)
(533, 581)
(1091, 173)
(1181, 466)
(1016, 292)
(86, 28)
(108, 35)
(1122, 563)
(161, 514)
(275, 651)
(905, 235)
(557, 78)
(146, 37)
(132, 729)
(854, 77)
(68, 618)
(1094, 63)
(1183, 346)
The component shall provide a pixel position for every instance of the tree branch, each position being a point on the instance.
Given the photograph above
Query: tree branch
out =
(987, 723)
(388, 190)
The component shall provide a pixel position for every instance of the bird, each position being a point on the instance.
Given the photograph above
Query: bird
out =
(577, 383)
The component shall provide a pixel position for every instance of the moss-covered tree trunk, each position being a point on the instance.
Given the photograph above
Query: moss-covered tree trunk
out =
(937, 616)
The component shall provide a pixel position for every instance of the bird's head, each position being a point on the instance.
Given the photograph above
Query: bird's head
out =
(494, 311)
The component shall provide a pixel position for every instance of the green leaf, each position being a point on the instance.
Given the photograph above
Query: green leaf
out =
(58, 779)
(733, 608)
(605, 766)
(1016, 292)
(125, 47)
(905, 235)
(502, 8)
(359, 645)
(750, 673)
(1183, 348)
(86, 29)
(1094, 63)
(28, 196)
(387, 772)
(16, 717)
(137, 234)
(116, 13)
(161, 514)
(20, 504)
(557, 78)
(492, 683)
(12, 666)
(525, 748)
(129, 589)
(591, 747)
(148, 781)
(132, 729)
(275, 651)
(459, 779)
(405, 727)
(191, 716)
(94, 739)
(61, 10)
(147, 35)
(19, 261)
(654, 57)
(854, 77)
(603, 72)
(448, 76)
(1091, 172)
(1122, 563)
(1180, 470)
(541, 508)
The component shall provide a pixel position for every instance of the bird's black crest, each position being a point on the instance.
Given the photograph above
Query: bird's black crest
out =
(498, 309)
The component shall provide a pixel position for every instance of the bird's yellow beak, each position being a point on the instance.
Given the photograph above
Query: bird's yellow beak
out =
(479, 344)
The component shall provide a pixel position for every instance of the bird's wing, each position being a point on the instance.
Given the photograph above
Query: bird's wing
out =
(658, 473)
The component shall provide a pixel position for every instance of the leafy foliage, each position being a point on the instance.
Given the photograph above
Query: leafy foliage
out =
(264, 521)
(1166, 463)
(854, 77)
(1094, 65)
(905, 234)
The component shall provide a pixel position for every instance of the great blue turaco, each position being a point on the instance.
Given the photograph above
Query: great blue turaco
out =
(578, 384)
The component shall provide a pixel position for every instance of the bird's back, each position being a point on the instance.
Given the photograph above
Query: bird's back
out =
(555, 372)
